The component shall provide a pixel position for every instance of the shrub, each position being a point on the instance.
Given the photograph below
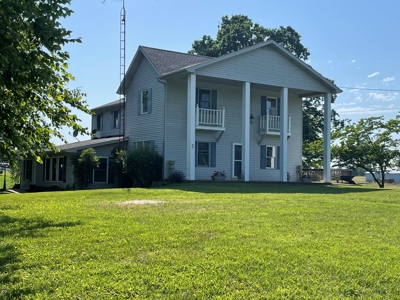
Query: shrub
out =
(177, 177)
(143, 166)
(84, 163)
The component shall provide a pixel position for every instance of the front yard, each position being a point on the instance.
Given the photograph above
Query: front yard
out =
(202, 241)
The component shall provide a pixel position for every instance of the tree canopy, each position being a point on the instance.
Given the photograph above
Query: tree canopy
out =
(370, 144)
(35, 100)
(238, 32)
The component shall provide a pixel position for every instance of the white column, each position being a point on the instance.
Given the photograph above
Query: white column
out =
(327, 137)
(246, 130)
(283, 134)
(191, 127)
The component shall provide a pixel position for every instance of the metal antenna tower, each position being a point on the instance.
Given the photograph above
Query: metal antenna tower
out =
(122, 100)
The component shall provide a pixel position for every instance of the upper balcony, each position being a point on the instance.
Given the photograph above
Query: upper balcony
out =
(271, 124)
(210, 119)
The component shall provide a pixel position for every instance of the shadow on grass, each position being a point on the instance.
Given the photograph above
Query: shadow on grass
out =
(10, 256)
(278, 188)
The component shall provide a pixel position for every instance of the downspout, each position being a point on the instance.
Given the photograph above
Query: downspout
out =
(165, 125)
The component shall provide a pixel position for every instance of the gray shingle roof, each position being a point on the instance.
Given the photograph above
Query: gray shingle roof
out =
(71, 147)
(107, 105)
(166, 61)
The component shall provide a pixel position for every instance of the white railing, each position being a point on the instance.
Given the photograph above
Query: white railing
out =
(210, 117)
(272, 124)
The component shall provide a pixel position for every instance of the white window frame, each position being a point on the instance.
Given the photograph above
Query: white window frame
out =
(272, 158)
(96, 169)
(208, 163)
(99, 125)
(49, 166)
(115, 120)
(142, 111)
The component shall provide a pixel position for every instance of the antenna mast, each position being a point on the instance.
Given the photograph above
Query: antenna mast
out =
(122, 100)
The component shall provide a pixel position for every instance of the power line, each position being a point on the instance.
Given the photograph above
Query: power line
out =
(367, 89)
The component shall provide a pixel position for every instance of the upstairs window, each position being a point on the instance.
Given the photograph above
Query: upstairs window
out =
(99, 122)
(206, 99)
(270, 106)
(144, 102)
(115, 119)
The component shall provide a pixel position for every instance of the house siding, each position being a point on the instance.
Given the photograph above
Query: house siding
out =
(264, 66)
(149, 126)
(229, 97)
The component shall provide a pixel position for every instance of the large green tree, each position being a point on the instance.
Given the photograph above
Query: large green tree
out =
(238, 32)
(370, 144)
(35, 99)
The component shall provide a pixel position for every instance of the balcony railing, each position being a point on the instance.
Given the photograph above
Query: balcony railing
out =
(271, 124)
(210, 119)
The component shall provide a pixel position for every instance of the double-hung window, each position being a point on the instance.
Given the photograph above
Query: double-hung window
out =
(115, 119)
(269, 157)
(144, 102)
(101, 172)
(205, 154)
(270, 106)
(144, 144)
(99, 122)
(206, 99)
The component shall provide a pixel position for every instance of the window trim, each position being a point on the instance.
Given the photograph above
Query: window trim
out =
(106, 170)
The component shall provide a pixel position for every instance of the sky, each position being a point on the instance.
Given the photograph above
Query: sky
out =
(354, 42)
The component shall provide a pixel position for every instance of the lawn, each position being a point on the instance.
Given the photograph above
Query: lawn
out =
(204, 241)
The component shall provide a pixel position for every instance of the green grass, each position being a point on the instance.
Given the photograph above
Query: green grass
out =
(9, 181)
(207, 241)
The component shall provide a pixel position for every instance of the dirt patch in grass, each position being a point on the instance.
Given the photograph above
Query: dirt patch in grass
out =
(140, 202)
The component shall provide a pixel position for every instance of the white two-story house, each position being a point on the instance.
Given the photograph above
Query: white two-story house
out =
(238, 113)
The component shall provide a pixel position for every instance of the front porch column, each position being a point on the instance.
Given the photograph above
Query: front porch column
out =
(246, 130)
(327, 137)
(283, 135)
(191, 127)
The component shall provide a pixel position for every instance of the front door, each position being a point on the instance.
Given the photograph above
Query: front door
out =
(237, 160)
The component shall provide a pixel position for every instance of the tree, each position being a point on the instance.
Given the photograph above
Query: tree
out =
(84, 163)
(369, 144)
(238, 32)
(35, 100)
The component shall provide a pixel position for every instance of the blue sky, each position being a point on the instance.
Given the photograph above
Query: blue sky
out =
(353, 42)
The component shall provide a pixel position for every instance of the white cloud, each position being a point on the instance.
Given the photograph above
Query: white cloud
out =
(373, 110)
(329, 62)
(373, 74)
(383, 96)
(353, 61)
(387, 79)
